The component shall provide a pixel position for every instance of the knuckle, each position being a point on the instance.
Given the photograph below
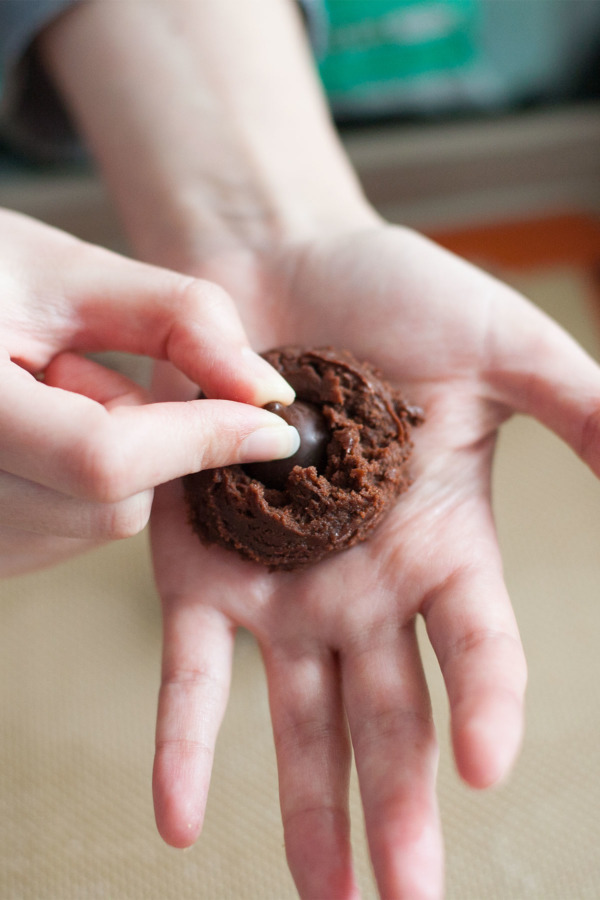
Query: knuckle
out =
(184, 747)
(208, 295)
(497, 653)
(306, 817)
(483, 641)
(590, 436)
(211, 453)
(193, 677)
(199, 300)
(304, 734)
(102, 469)
(200, 316)
(188, 684)
(391, 726)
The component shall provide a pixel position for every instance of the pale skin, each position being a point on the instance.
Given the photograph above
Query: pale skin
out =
(243, 182)
(79, 457)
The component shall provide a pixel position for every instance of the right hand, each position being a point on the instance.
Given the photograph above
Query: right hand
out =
(81, 447)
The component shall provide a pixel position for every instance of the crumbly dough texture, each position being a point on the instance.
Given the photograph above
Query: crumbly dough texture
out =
(318, 512)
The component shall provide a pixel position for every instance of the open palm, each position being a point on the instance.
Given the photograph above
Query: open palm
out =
(338, 639)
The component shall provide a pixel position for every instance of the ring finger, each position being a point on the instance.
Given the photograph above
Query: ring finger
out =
(313, 757)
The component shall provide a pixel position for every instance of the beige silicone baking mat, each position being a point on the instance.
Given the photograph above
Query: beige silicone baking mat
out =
(79, 660)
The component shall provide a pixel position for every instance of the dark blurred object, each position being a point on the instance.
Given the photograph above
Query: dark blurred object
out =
(588, 83)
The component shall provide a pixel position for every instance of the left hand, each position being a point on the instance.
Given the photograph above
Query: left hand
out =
(338, 639)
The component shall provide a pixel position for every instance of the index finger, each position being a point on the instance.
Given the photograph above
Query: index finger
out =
(85, 298)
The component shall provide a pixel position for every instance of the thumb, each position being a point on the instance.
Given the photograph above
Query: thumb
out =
(535, 367)
(78, 446)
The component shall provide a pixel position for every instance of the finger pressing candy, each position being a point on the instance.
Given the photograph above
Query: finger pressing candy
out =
(314, 435)
(351, 467)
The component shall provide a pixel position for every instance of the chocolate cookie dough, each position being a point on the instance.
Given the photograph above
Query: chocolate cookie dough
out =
(352, 463)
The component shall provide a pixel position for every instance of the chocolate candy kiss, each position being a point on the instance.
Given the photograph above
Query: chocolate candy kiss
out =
(314, 435)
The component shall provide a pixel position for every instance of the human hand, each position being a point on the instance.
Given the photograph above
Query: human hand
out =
(234, 148)
(81, 447)
(338, 639)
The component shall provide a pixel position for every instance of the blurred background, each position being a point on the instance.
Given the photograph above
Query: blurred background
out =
(477, 122)
(454, 111)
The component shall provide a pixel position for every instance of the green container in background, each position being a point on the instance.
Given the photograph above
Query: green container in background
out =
(424, 57)
(378, 48)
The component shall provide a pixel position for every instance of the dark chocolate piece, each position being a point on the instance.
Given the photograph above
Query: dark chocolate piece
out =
(314, 436)
(330, 500)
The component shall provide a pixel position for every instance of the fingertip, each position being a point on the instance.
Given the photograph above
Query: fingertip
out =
(180, 836)
(268, 385)
(410, 861)
(179, 840)
(269, 442)
(179, 816)
(486, 748)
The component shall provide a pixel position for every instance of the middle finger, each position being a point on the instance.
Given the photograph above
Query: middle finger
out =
(313, 757)
(389, 713)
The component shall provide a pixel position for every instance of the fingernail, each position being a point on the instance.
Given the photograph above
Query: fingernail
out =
(270, 385)
(277, 441)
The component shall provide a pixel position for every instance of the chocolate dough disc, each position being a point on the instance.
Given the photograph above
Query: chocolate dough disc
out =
(314, 509)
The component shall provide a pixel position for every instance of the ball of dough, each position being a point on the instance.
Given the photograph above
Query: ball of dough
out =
(359, 467)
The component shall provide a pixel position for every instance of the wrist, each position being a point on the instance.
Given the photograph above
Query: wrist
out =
(210, 132)
(191, 218)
